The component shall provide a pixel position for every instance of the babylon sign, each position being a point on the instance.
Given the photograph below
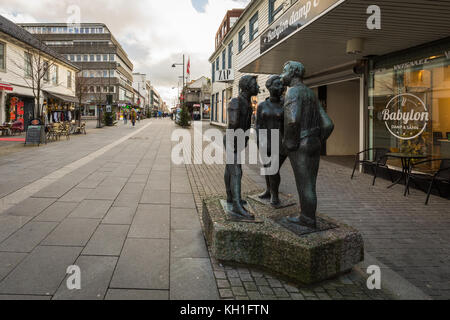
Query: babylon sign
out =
(406, 116)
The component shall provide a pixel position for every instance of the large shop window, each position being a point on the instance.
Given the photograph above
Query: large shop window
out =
(411, 108)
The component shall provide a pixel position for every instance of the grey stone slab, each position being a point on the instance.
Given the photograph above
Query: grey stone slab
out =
(8, 261)
(30, 207)
(108, 240)
(133, 295)
(56, 190)
(10, 224)
(23, 297)
(120, 215)
(28, 237)
(181, 187)
(76, 195)
(72, 232)
(155, 197)
(41, 272)
(192, 279)
(184, 219)
(91, 209)
(133, 188)
(127, 200)
(151, 222)
(144, 264)
(96, 273)
(138, 178)
(57, 212)
(182, 200)
(188, 244)
(159, 184)
(105, 193)
(93, 181)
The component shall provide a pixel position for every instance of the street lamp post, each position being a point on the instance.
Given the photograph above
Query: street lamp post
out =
(181, 64)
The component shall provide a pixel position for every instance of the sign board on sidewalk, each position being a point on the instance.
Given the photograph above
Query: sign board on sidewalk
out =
(35, 135)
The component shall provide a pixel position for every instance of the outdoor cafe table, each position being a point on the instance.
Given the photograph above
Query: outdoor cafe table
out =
(6, 130)
(406, 159)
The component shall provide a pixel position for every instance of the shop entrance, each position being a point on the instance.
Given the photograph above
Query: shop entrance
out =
(343, 106)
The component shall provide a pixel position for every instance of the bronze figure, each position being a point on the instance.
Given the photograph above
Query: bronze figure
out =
(270, 116)
(240, 113)
(307, 126)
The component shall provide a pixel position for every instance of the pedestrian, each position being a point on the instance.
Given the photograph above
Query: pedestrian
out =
(133, 117)
(139, 116)
(125, 117)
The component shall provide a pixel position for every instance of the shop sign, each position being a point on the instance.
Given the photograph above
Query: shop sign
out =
(406, 116)
(297, 17)
(225, 75)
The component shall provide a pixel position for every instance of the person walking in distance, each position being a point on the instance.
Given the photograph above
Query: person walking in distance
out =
(125, 117)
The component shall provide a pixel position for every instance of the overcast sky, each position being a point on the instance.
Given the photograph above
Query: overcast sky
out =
(154, 33)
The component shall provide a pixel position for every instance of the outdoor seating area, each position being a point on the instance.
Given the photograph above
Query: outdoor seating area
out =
(12, 129)
(414, 168)
(64, 129)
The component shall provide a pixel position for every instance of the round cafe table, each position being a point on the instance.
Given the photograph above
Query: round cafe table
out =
(406, 159)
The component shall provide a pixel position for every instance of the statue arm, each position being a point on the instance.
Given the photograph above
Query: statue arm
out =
(326, 124)
(291, 125)
(258, 122)
(233, 114)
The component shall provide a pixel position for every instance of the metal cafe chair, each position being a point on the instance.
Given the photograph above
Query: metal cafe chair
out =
(442, 175)
(379, 161)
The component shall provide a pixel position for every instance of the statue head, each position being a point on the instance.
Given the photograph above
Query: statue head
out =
(249, 84)
(275, 86)
(292, 70)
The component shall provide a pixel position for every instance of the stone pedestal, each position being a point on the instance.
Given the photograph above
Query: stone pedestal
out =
(301, 254)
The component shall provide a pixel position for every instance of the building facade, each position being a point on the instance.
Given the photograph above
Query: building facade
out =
(102, 60)
(141, 86)
(22, 56)
(198, 98)
(384, 86)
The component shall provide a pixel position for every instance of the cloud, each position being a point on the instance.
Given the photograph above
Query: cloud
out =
(155, 34)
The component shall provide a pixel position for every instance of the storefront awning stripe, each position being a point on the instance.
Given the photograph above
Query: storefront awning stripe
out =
(6, 87)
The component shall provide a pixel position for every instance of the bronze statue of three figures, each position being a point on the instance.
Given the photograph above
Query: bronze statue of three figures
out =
(303, 126)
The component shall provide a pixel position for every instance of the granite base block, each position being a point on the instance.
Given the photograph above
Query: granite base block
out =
(309, 258)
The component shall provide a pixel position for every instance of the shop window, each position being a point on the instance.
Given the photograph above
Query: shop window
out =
(224, 59)
(69, 79)
(275, 8)
(230, 55)
(2, 56)
(28, 64)
(254, 27)
(241, 39)
(411, 110)
(55, 75)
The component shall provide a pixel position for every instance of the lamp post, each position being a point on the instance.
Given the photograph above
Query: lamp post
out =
(181, 64)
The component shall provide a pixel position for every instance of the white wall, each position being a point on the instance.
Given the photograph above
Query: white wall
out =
(343, 108)
(15, 75)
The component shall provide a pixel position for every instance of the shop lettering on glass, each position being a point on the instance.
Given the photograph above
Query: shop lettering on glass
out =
(298, 16)
(406, 116)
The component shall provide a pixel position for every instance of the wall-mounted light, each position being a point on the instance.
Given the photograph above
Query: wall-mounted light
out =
(355, 46)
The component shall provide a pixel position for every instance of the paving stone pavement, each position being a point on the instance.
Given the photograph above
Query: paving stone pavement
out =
(126, 217)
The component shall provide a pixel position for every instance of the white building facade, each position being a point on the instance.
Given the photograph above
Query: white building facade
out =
(15, 80)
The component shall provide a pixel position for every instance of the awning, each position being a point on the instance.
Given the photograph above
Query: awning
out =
(62, 97)
(6, 87)
(322, 44)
